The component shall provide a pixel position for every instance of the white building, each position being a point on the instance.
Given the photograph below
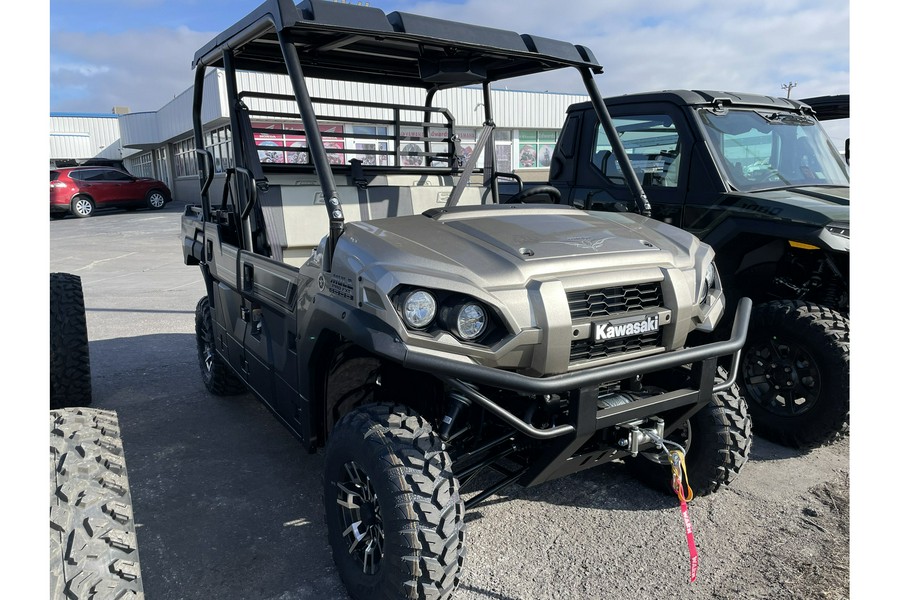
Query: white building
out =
(79, 137)
(160, 144)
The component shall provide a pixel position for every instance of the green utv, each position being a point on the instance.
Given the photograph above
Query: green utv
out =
(757, 178)
(395, 313)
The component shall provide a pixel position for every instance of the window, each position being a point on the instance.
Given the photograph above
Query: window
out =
(142, 165)
(162, 165)
(653, 147)
(503, 150)
(535, 148)
(87, 175)
(372, 143)
(113, 175)
(185, 158)
(759, 150)
(218, 143)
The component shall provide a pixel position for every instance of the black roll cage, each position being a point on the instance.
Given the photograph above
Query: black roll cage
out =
(335, 41)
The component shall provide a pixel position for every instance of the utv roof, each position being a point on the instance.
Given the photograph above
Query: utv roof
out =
(361, 43)
(830, 107)
(706, 98)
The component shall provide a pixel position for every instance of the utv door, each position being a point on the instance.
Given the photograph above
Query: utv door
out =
(254, 312)
(659, 145)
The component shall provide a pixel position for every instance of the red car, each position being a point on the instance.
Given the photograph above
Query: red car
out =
(81, 190)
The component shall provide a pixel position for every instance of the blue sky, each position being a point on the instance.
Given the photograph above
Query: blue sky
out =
(137, 53)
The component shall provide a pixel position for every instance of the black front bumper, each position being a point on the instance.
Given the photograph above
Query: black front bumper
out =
(586, 419)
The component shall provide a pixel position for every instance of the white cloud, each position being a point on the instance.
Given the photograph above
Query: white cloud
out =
(655, 44)
(139, 69)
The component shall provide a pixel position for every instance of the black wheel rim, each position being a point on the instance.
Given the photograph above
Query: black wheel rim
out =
(361, 517)
(208, 357)
(781, 377)
(207, 351)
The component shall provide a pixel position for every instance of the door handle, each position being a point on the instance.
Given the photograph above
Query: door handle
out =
(248, 277)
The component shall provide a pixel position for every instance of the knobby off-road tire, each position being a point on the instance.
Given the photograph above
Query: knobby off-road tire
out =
(93, 546)
(217, 376)
(70, 361)
(795, 373)
(392, 505)
(717, 439)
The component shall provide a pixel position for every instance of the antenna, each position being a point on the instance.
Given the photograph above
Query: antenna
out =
(789, 87)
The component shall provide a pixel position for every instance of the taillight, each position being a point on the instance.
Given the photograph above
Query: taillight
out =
(57, 184)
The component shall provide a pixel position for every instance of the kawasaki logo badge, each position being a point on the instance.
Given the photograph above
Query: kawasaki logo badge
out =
(612, 330)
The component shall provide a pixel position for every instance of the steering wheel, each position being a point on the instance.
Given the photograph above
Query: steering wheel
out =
(522, 196)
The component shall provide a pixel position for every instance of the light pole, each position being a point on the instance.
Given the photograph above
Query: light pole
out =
(789, 87)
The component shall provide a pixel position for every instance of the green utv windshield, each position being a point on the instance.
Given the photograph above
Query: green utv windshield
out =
(759, 149)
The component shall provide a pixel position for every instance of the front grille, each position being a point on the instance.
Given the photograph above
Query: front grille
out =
(609, 301)
(590, 350)
(612, 302)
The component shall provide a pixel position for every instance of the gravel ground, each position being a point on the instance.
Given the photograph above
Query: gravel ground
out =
(228, 504)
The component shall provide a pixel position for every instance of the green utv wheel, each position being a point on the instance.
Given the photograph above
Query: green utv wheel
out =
(795, 372)
(70, 360)
(217, 376)
(392, 505)
(717, 440)
(93, 546)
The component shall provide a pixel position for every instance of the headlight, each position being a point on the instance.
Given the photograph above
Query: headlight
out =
(710, 281)
(839, 228)
(470, 320)
(419, 309)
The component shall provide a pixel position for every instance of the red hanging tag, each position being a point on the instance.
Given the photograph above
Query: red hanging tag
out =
(692, 548)
(677, 460)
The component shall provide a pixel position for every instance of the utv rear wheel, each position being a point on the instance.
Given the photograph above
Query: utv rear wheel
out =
(82, 207)
(394, 514)
(795, 372)
(70, 361)
(717, 440)
(93, 545)
(217, 376)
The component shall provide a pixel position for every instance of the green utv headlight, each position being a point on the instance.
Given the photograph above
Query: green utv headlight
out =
(419, 309)
(839, 228)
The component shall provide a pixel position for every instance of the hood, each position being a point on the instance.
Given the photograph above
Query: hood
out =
(815, 205)
(521, 242)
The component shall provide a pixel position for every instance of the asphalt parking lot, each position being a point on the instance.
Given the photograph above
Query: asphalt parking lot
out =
(228, 504)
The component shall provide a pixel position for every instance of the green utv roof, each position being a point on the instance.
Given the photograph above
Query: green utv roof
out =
(830, 107)
(361, 43)
(705, 98)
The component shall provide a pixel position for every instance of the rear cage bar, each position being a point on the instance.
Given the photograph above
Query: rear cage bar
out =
(394, 137)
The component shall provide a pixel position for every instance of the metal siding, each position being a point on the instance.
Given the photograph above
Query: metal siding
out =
(70, 145)
(512, 109)
(102, 131)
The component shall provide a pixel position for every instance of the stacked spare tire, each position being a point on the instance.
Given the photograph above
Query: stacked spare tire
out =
(93, 546)
(70, 361)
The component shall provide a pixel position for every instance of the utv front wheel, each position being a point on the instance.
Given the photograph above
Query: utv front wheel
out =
(394, 514)
(217, 376)
(795, 371)
(717, 440)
